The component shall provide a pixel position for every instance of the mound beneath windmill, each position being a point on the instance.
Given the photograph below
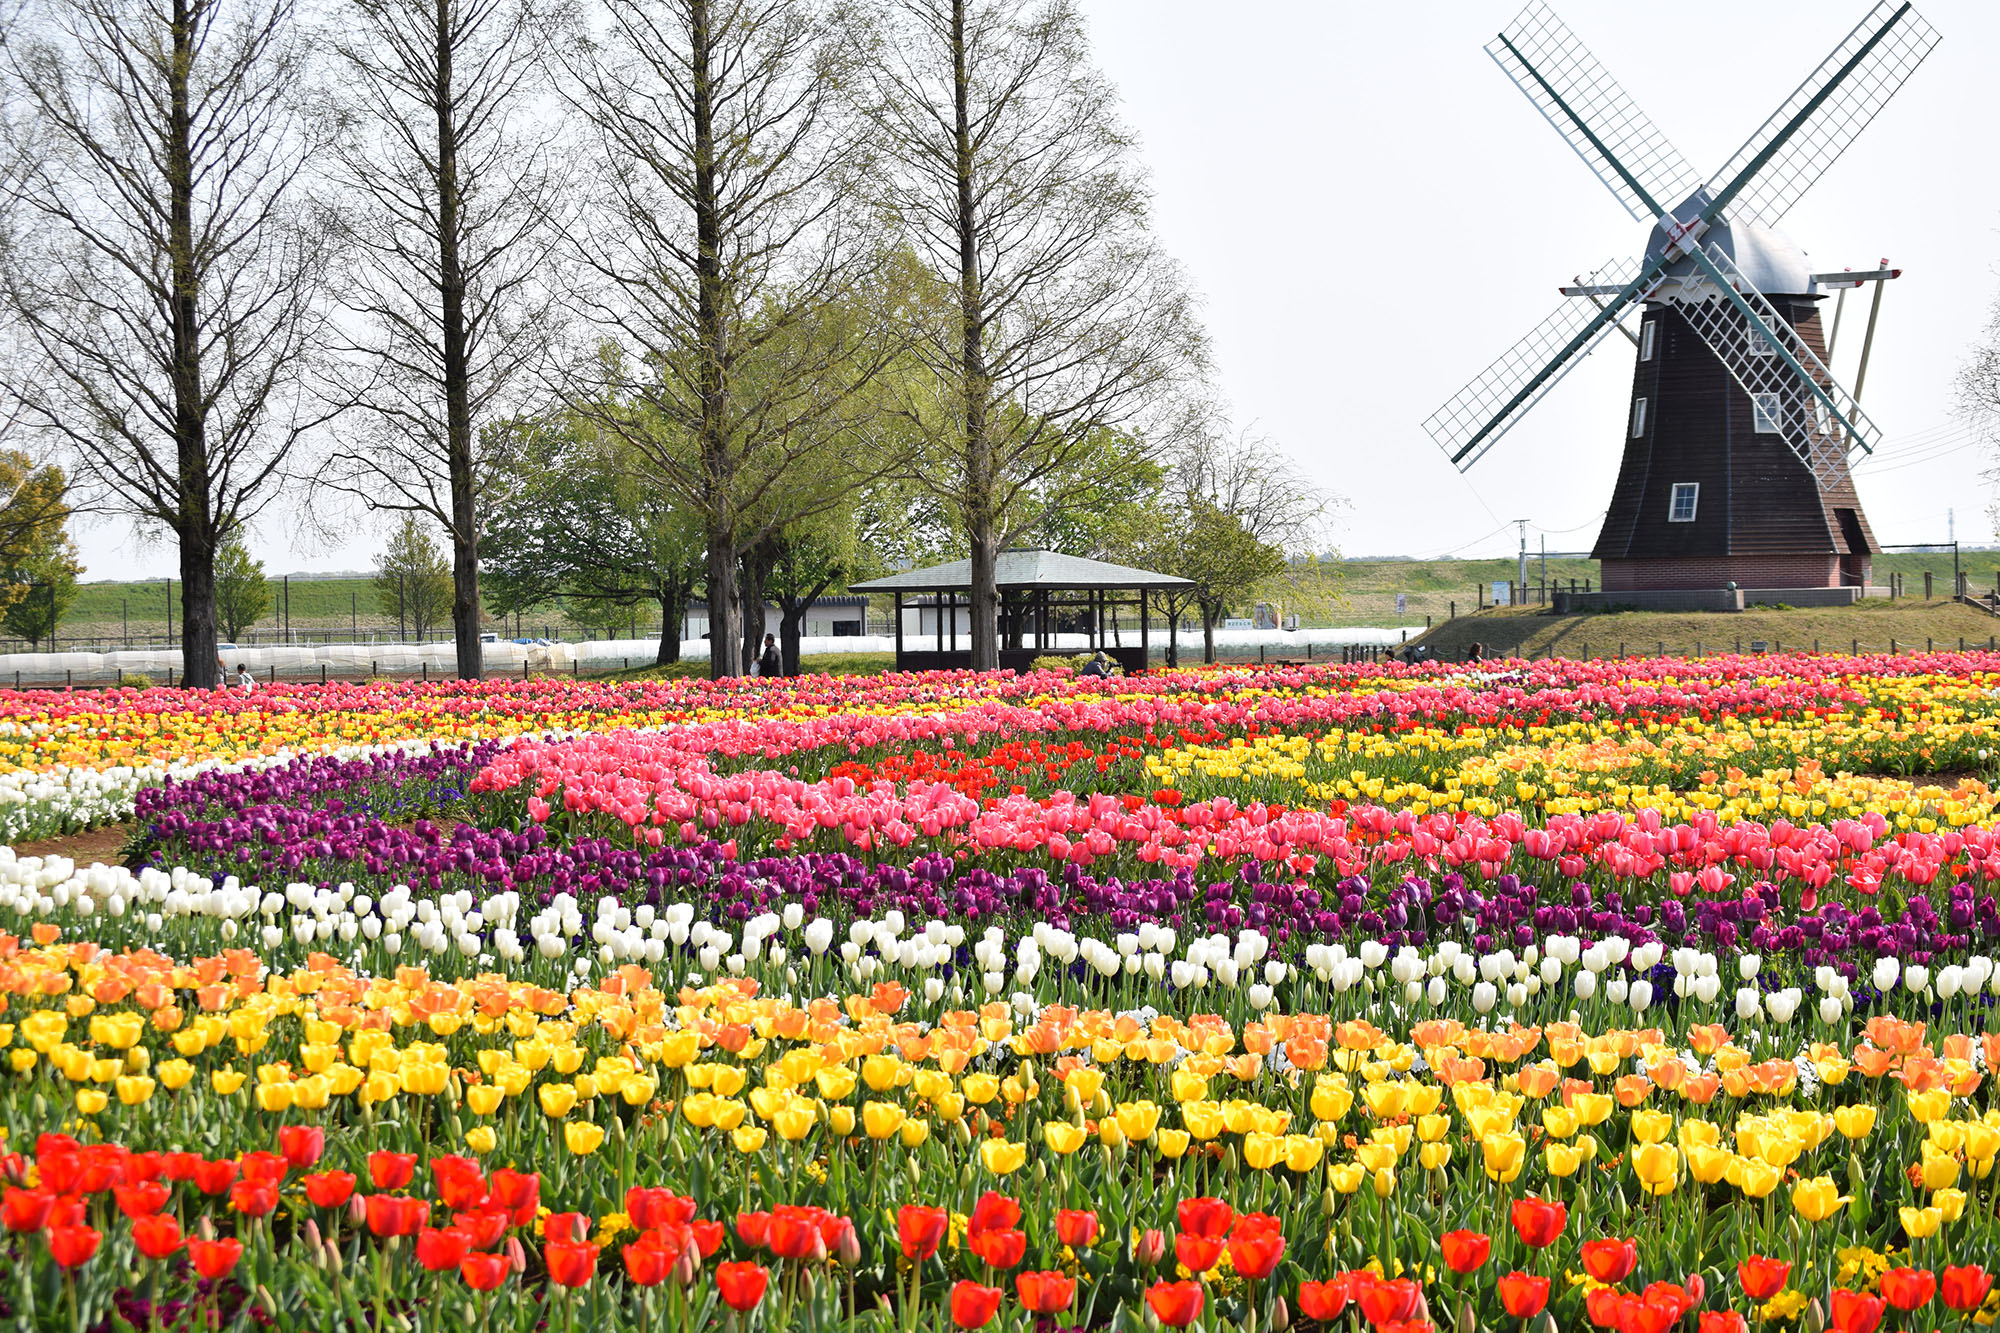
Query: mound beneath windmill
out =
(1877, 625)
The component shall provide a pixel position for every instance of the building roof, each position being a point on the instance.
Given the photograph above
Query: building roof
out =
(1024, 569)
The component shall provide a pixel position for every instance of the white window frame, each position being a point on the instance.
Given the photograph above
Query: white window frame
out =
(1638, 418)
(1646, 339)
(1690, 489)
(1758, 344)
(1767, 413)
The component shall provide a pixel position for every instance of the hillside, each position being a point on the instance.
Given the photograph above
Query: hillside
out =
(1876, 625)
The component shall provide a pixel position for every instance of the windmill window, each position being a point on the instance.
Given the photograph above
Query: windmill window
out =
(1638, 417)
(1646, 340)
(1765, 410)
(1681, 509)
(1759, 344)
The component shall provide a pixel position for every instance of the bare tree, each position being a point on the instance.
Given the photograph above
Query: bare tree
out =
(728, 270)
(1979, 391)
(450, 214)
(164, 269)
(1010, 173)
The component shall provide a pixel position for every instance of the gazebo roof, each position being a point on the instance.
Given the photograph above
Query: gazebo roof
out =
(1024, 569)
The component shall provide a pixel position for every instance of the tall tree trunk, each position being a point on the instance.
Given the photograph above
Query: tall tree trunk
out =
(791, 624)
(673, 607)
(758, 562)
(457, 375)
(981, 523)
(712, 342)
(198, 521)
(1210, 613)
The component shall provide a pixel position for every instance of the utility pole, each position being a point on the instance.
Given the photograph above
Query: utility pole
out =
(1522, 524)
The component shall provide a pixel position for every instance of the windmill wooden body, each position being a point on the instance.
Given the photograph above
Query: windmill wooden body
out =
(1737, 439)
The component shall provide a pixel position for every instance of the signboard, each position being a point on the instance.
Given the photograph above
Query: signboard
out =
(1402, 603)
(1502, 591)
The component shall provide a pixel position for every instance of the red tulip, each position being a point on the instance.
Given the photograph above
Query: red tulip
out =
(1852, 1312)
(69, 1210)
(754, 1229)
(795, 1232)
(441, 1251)
(994, 1212)
(649, 1260)
(921, 1230)
(253, 1198)
(72, 1246)
(486, 1226)
(1762, 1278)
(707, 1237)
(156, 1235)
(1197, 1254)
(741, 1285)
(1207, 1218)
(263, 1168)
(519, 1192)
(484, 1272)
(1254, 1251)
(1045, 1293)
(1149, 1248)
(973, 1306)
(142, 1199)
(215, 1258)
(1610, 1261)
(1323, 1301)
(1538, 1221)
(139, 1166)
(26, 1210)
(1175, 1304)
(657, 1207)
(1076, 1227)
(570, 1263)
(1721, 1321)
(1002, 1249)
(179, 1166)
(460, 1183)
(214, 1177)
(61, 1171)
(1465, 1251)
(391, 1170)
(394, 1215)
(1385, 1302)
(1964, 1289)
(102, 1166)
(1524, 1296)
(329, 1189)
(302, 1145)
(565, 1226)
(1908, 1288)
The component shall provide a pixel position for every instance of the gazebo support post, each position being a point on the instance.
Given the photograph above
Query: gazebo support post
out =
(899, 631)
(1145, 645)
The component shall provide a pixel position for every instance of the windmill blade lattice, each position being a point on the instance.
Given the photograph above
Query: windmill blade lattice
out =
(1475, 417)
(1814, 126)
(1818, 419)
(1594, 115)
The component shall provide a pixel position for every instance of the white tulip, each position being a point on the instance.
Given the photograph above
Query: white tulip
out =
(1484, 996)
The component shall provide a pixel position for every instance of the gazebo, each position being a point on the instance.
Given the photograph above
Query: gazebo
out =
(1043, 595)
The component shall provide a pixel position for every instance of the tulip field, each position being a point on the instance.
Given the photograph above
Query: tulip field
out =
(1634, 995)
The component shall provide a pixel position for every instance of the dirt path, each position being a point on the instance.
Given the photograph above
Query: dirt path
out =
(98, 844)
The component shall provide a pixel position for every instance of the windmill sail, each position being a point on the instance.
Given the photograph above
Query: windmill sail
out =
(1475, 417)
(1787, 383)
(1593, 113)
(1814, 126)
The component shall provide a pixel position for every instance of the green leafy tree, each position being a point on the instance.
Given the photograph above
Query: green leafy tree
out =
(33, 509)
(579, 520)
(413, 579)
(242, 593)
(44, 583)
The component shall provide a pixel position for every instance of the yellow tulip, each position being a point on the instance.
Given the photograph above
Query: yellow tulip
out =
(1261, 1152)
(840, 1120)
(583, 1137)
(558, 1099)
(1346, 1177)
(1385, 1182)
(1562, 1160)
(1559, 1121)
(1204, 1120)
(1376, 1154)
(749, 1138)
(483, 1098)
(1388, 1099)
(638, 1089)
(1503, 1156)
(1431, 1128)
(1172, 1143)
(1928, 1106)
(930, 1084)
(1001, 1157)
(272, 1097)
(948, 1107)
(880, 1120)
(1817, 1199)
(835, 1082)
(482, 1139)
(1303, 1152)
(1063, 1137)
(980, 1089)
(915, 1133)
(1592, 1108)
(1702, 1133)
(1651, 1126)
(1434, 1156)
(1939, 1170)
(226, 1081)
(1706, 1162)
(1138, 1120)
(1949, 1203)
(1189, 1086)
(1331, 1097)
(1921, 1223)
(880, 1072)
(1754, 1176)
(1658, 1166)
(796, 1120)
(1857, 1121)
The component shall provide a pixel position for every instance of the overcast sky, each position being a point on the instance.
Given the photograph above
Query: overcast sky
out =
(1371, 213)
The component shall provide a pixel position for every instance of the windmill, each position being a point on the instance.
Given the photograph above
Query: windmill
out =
(1738, 439)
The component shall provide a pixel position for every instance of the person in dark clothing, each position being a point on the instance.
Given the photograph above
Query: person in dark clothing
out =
(769, 662)
(1476, 653)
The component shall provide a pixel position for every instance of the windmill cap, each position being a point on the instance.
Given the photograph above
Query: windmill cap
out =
(1770, 259)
